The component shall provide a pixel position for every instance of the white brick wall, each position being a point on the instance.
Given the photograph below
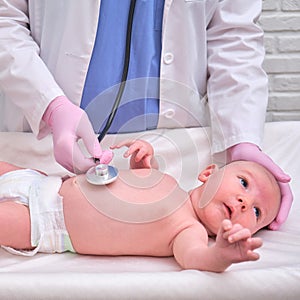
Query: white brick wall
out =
(280, 20)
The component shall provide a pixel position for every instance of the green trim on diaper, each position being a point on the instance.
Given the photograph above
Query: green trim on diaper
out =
(68, 244)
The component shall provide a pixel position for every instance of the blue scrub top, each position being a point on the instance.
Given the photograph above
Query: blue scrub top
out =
(139, 107)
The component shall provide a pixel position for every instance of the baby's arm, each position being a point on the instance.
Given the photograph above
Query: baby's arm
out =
(141, 152)
(233, 245)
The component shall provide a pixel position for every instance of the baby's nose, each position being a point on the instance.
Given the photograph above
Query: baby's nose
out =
(244, 202)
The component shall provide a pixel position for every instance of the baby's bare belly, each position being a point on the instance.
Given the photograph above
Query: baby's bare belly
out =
(136, 215)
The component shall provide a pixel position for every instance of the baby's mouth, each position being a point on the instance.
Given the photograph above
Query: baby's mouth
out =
(228, 211)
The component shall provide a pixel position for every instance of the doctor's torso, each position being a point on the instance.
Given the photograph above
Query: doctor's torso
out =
(193, 63)
(66, 36)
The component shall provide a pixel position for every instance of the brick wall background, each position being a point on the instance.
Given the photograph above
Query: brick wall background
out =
(280, 20)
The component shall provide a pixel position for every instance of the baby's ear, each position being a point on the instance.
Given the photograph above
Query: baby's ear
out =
(204, 175)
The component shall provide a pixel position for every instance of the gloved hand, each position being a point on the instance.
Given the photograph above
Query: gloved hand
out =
(68, 124)
(251, 152)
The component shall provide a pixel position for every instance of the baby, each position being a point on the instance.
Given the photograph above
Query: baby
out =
(143, 212)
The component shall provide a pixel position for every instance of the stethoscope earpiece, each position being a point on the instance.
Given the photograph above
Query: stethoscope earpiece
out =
(102, 174)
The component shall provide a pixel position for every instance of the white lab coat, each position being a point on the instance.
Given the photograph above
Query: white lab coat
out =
(211, 50)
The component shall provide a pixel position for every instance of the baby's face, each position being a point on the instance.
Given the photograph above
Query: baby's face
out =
(243, 192)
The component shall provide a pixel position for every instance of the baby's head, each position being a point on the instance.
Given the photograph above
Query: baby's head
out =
(242, 191)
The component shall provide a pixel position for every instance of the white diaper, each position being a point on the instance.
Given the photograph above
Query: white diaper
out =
(40, 194)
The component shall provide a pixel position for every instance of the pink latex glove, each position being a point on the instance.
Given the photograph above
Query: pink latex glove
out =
(68, 124)
(251, 152)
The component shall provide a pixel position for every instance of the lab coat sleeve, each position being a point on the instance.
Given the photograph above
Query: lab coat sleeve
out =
(25, 80)
(237, 84)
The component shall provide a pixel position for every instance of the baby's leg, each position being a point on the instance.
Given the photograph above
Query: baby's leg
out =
(14, 225)
(7, 167)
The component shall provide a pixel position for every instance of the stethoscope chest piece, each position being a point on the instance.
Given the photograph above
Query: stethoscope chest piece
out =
(102, 174)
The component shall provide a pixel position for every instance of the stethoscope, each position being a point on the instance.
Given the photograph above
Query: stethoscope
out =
(103, 174)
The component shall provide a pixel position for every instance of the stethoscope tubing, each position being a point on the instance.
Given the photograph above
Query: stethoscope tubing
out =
(124, 73)
(93, 176)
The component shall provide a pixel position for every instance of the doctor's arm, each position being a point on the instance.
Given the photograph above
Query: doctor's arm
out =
(238, 89)
(26, 80)
(28, 83)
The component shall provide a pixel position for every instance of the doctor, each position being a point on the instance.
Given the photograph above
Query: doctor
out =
(192, 63)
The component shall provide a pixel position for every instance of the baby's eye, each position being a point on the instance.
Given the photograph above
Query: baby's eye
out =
(256, 212)
(244, 182)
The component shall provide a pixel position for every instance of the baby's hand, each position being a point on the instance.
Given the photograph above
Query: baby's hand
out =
(235, 243)
(141, 153)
